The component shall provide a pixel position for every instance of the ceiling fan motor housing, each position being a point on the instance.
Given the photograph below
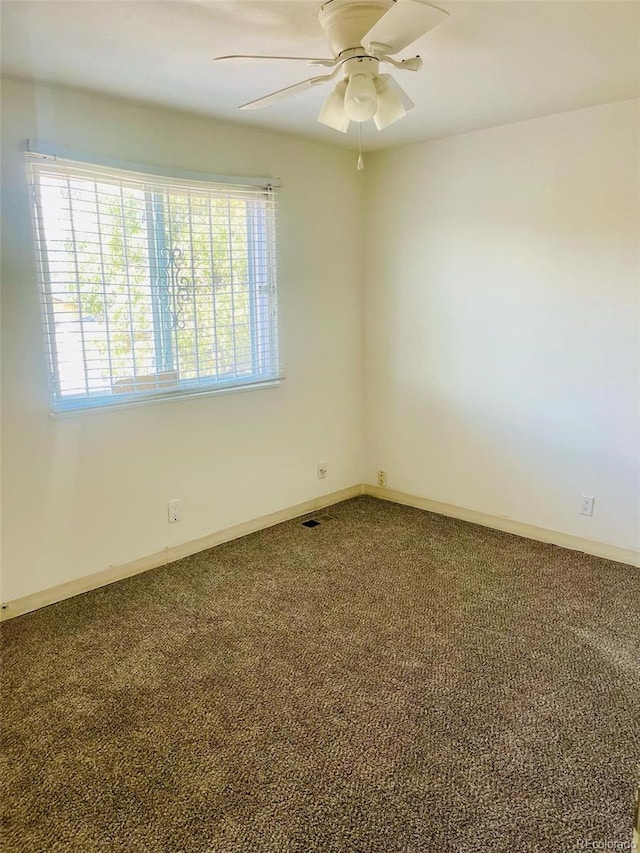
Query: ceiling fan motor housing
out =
(346, 22)
(361, 65)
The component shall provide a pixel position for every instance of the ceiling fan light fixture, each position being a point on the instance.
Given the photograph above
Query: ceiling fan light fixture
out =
(362, 34)
(332, 113)
(361, 98)
(393, 102)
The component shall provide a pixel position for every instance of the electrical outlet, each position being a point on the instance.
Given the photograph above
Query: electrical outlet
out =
(586, 504)
(175, 511)
(322, 470)
(382, 478)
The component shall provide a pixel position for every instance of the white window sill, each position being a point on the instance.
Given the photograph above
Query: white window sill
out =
(103, 408)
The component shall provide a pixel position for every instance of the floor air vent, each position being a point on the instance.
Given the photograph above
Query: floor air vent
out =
(317, 520)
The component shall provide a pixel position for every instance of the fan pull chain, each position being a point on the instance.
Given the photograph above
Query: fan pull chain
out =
(360, 166)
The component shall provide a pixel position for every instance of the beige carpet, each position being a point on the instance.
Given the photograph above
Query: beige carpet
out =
(389, 681)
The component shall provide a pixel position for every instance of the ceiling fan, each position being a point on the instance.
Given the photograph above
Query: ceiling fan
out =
(362, 34)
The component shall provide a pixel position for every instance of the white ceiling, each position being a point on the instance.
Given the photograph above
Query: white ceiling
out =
(490, 63)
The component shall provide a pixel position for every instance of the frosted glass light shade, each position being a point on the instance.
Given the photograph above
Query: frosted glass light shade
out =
(393, 101)
(332, 113)
(361, 98)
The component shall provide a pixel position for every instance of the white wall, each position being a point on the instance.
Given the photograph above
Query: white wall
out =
(86, 492)
(502, 305)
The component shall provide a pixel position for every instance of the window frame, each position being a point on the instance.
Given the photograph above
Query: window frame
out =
(71, 404)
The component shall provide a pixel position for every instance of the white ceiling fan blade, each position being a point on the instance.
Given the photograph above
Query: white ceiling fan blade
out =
(285, 93)
(329, 63)
(332, 113)
(405, 22)
(393, 102)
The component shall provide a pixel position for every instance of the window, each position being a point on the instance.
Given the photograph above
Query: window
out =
(152, 286)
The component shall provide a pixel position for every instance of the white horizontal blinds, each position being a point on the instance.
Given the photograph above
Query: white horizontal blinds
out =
(153, 286)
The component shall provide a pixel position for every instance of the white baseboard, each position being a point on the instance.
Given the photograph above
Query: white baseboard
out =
(19, 606)
(528, 531)
(26, 604)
